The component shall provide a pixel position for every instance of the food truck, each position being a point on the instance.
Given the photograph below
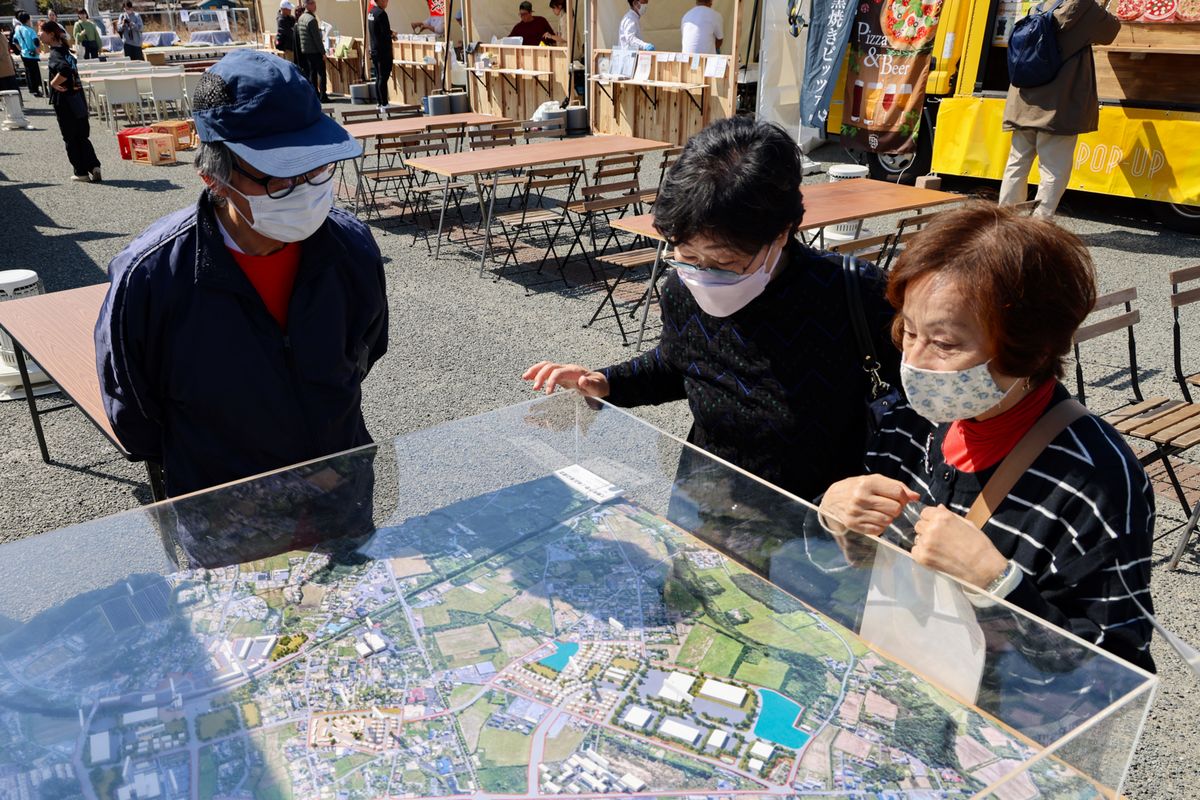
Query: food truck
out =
(1149, 93)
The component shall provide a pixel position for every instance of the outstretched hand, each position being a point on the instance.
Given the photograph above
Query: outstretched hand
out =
(547, 375)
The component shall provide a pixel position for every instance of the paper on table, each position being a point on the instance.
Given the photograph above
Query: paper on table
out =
(184, 16)
(663, 56)
(622, 63)
(643, 67)
(714, 67)
(696, 62)
(682, 58)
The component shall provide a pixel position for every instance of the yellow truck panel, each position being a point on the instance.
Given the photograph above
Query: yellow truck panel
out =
(1137, 152)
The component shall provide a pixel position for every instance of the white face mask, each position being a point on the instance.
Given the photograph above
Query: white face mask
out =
(720, 292)
(945, 396)
(293, 218)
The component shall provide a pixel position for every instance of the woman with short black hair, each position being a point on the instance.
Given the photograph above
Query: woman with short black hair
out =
(756, 330)
(70, 105)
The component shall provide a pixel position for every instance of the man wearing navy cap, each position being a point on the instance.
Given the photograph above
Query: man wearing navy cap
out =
(237, 332)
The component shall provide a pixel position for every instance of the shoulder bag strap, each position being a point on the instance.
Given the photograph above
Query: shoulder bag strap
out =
(1015, 464)
(862, 331)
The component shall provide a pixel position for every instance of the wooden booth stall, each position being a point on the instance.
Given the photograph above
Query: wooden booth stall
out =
(512, 80)
(419, 56)
(345, 24)
(662, 94)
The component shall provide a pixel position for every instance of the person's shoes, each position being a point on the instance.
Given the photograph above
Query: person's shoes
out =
(84, 178)
(325, 99)
(94, 175)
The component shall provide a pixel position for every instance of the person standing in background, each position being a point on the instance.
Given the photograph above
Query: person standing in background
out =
(311, 48)
(87, 35)
(629, 34)
(285, 30)
(379, 30)
(8, 73)
(1046, 120)
(557, 36)
(703, 29)
(531, 29)
(26, 39)
(70, 107)
(129, 28)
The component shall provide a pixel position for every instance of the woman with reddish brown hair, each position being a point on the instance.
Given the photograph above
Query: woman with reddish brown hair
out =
(987, 304)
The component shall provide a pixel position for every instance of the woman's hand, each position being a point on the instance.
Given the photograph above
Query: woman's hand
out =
(867, 504)
(948, 543)
(549, 375)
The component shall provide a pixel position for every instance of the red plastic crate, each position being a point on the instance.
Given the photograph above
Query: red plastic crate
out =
(123, 140)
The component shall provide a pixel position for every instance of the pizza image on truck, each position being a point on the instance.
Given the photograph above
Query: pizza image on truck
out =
(1147, 81)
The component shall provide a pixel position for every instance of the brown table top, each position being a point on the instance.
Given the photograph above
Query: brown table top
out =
(400, 127)
(832, 203)
(500, 159)
(56, 331)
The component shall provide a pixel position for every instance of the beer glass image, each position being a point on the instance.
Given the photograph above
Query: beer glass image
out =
(856, 104)
(874, 95)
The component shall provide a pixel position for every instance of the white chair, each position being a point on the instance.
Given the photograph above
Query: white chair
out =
(166, 91)
(190, 81)
(120, 93)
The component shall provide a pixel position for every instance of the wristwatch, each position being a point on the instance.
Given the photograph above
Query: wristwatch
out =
(1003, 584)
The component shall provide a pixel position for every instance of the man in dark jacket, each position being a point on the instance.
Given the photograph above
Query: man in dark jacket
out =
(379, 28)
(310, 48)
(285, 30)
(1046, 120)
(236, 333)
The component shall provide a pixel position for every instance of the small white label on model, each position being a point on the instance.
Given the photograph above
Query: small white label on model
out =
(588, 483)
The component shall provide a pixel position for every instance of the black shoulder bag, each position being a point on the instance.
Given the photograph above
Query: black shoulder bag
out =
(881, 395)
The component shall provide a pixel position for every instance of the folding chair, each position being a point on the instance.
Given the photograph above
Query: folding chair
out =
(453, 131)
(383, 173)
(1184, 437)
(867, 248)
(614, 190)
(403, 112)
(536, 209)
(1027, 208)
(669, 157)
(543, 129)
(424, 185)
(365, 115)
(1169, 426)
(906, 228)
(490, 139)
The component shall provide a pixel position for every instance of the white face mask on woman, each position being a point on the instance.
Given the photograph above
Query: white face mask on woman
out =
(949, 395)
(293, 218)
(720, 292)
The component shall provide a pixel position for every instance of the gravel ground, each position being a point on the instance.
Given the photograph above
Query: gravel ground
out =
(458, 344)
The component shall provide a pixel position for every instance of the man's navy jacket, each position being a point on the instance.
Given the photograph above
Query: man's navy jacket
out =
(197, 375)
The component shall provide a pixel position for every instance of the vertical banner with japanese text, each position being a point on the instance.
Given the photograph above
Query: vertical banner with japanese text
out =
(828, 34)
(889, 61)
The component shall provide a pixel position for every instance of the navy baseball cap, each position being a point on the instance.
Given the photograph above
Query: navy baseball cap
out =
(268, 114)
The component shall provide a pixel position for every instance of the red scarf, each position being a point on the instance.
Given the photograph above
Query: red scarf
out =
(972, 446)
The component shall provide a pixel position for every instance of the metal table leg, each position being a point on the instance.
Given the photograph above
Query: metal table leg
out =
(442, 220)
(32, 401)
(650, 293)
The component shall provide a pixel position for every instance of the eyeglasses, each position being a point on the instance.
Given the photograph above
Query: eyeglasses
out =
(677, 264)
(279, 188)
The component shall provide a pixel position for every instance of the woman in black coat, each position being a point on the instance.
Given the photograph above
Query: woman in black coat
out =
(70, 105)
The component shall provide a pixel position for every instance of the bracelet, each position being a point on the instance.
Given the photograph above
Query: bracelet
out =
(1005, 582)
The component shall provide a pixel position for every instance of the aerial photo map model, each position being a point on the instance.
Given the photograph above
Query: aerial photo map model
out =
(551, 638)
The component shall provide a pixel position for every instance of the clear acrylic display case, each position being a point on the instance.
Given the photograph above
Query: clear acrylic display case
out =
(553, 598)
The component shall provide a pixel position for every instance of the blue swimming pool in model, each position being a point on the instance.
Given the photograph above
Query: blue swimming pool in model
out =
(776, 722)
(562, 654)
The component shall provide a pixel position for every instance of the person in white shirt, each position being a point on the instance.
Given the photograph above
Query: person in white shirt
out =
(703, 29)
(629, 35)
(432, 24)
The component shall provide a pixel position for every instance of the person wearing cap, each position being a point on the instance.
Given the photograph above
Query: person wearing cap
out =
(310, 47)
(285, 30)
(531, 29)
(379, 29)
(236, 333)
